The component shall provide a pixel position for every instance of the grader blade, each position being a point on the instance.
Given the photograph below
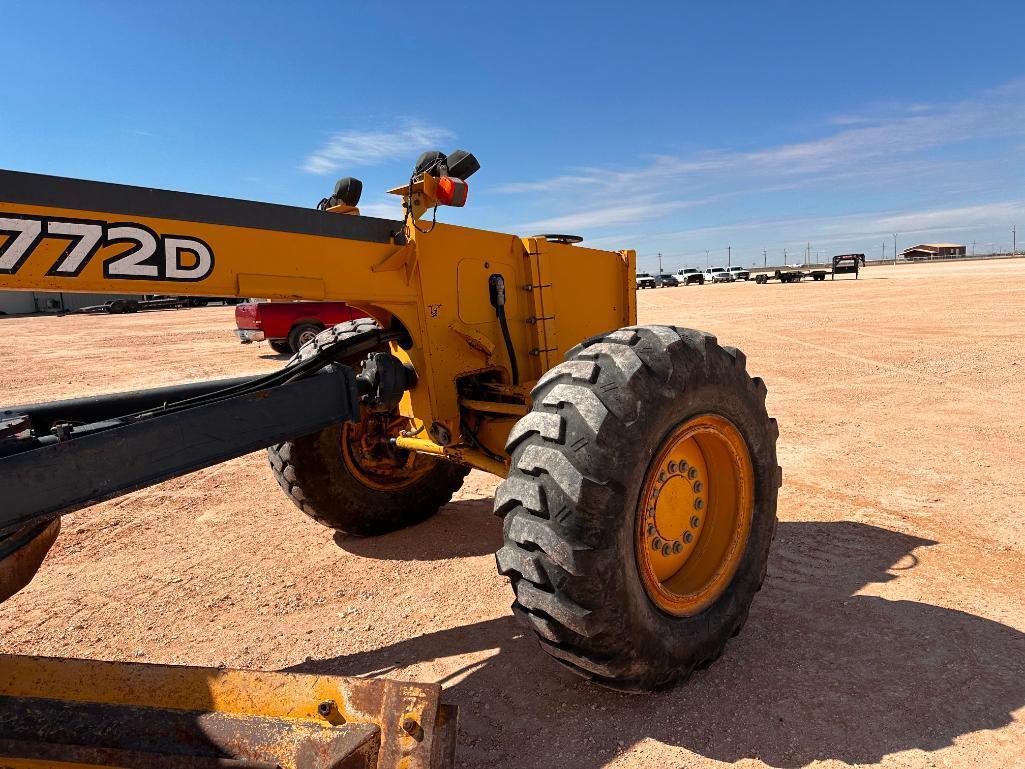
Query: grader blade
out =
(85, 713)
(21, 554)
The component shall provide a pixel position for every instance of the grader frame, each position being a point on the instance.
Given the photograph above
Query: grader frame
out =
(639, 461)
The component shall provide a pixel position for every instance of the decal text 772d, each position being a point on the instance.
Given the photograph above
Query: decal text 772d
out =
(149, 256)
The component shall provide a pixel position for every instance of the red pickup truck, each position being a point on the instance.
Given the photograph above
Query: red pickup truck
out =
(289, 325)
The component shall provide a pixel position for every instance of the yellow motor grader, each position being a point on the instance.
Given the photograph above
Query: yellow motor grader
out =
(639, 463)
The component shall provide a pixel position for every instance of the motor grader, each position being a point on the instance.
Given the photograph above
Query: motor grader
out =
(638, 461)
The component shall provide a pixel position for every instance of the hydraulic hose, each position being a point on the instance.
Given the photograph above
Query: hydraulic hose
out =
(496, 287)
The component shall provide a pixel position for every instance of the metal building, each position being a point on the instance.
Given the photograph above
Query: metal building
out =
(924, 251)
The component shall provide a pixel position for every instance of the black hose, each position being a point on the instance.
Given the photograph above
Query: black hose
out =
(513, 367)
(327, 354)
(496, 287)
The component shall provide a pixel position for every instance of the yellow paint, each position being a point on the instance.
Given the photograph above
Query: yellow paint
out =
(289, 696)
(693, 518)
(436, 285)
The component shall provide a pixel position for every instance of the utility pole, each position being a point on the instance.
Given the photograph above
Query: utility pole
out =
(784, 257)
(884, 252)
(807, 258)
(895, 249)
(765, 258)
(706, 258)
(1014, 240)
(973, 248)
(660, 265)
(729, 255)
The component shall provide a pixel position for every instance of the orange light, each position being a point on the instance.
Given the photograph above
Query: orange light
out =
(452, 191)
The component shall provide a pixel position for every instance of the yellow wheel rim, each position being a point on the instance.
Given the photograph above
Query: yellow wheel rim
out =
(694, 515)
(376, 463)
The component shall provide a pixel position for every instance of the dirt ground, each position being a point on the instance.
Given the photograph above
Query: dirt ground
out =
(890, 631)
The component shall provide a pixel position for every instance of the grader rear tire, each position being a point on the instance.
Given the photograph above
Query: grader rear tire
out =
(640, 505)
(358, 486)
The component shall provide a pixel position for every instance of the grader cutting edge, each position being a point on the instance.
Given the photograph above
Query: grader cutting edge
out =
(639, 463)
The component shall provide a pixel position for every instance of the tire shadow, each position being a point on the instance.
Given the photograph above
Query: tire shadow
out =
(818, 672)
(462, 528)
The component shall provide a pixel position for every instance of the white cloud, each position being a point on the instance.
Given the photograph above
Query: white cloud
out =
(384, 209)
(892, 144)
(359, 148)
(606, 216)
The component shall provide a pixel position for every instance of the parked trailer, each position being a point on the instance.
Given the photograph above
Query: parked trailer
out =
(845, 264)
(791, 276)
(121, 306)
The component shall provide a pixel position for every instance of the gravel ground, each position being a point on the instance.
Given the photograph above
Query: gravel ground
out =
(890, 631)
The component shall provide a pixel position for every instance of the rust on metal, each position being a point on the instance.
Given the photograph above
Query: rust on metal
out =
(86, 713)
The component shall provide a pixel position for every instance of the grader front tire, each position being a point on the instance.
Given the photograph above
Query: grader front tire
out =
(640, 505)
(358, 486)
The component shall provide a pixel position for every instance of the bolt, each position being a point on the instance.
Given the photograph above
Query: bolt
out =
(688, 537)
(656, 544)
(695, 522)
(412, 728)
(692, 473)
(698, 487)
(677, 547)
(652, 531)
(683, 466)
(672, 467)
(662, 477)
(699, 503)
(666, 548)
(326, 708)
(440, 434)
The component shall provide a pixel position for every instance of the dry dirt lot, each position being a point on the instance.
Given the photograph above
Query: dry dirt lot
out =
(891, 629)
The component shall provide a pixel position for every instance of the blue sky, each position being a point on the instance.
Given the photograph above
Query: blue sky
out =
(673, 127)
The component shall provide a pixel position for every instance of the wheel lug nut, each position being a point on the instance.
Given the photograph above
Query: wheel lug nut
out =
(672, 467)
(652, 531)
(656, 544)
(662, 477)
(695, 522)
(699, 503)
(698, 487)
(666, 549)
(692, 473)
(677, 547)
(688, 537)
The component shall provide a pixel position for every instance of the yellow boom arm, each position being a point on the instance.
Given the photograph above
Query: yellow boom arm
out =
(69, 235)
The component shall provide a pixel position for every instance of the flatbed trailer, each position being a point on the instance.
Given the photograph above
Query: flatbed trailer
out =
(121, 306)
(791, 276)
(843, 264)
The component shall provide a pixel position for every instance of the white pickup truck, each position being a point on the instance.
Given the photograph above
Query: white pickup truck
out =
(718, 275)
(645, 280)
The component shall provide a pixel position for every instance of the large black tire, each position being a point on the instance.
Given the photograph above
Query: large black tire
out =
(578, 461)
(315, 476)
